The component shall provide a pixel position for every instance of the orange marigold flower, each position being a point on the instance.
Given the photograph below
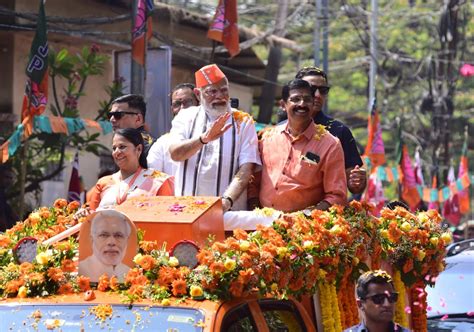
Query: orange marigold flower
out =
(103, 283)
(217, 267)
(60, 203)
(245, 275)
(62, 246)
(65, 289)
(408, 266)
(12, 286)
(5, 241)
(114, 283)
(240, 234)
(36, 278)
(26, 268)
(67, 265)
(166, 275)
(136, 290)
(179, 287)
(236, 288)
(73, 206)
(356, 205)
(245, 261)
(183, 272)
(44, 213)
(55, 274)
(148, 246)
(147, 262)
(219, 246)
(83, 283)
(205, 257)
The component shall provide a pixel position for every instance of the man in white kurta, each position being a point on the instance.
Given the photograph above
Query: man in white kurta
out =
(216, 147)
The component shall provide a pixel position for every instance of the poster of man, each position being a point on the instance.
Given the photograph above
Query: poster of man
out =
(107, 245)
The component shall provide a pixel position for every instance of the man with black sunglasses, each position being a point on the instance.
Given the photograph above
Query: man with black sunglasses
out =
(129, 111)
(356, 176)
(376, 300)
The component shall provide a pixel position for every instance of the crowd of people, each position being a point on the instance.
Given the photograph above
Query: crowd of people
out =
(307, 161)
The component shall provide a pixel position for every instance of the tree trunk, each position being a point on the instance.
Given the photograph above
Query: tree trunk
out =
(267, 99)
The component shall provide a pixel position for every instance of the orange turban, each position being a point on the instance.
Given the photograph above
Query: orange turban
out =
(210, 74)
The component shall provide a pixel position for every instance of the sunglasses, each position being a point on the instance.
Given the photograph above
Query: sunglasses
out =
(323, 90)
(119, 114)
(380, 298)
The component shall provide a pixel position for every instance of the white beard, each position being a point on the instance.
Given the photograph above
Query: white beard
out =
(213, 112)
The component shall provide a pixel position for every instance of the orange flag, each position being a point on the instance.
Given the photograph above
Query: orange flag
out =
(409, 191)
(375, 148)
(224, 26)
(142, 22)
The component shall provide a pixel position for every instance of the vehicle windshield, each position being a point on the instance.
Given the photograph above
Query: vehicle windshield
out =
(20, 317)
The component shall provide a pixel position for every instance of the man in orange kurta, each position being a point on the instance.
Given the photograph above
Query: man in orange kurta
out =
(302, 163)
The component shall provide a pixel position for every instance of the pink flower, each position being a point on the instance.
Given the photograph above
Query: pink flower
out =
(428, 308)
(444, 317)
(470, 313)
(176, 207)
(408, 310)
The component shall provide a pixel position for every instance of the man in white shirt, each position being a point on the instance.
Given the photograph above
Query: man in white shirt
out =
(158, 157)
(216, 147)
(109, 237)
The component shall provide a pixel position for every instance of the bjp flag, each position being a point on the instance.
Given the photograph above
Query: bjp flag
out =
(36, 91)
(463, 195)
(142, 30)
(375, 148)
(224, 26)
(409, 190)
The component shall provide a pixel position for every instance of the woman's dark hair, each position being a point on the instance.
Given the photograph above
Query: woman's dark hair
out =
(134, 136)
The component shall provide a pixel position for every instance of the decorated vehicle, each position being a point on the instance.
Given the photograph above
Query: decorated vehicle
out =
(263, 280)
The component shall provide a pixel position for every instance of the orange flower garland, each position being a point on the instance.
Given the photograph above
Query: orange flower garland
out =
(418, 307)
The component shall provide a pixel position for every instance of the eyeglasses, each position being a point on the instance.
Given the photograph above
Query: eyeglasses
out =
(299, 99)
(119, 114)
(212, 92)
(323, 90)
(380, 298)
(185, 103)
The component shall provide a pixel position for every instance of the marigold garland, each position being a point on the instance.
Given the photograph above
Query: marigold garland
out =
(330, 314)
(418, 307)
(400, 314)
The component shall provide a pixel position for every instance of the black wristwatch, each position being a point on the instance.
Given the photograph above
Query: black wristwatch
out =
(229, 199)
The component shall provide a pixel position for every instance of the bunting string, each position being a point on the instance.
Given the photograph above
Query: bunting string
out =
(50, 125)
(393, 174)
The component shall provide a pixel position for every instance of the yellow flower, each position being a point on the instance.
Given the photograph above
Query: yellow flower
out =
(308, 244)
(196, 291)
(434, 241)
(274, 287)
(423, 217)
(384, 233)
(355, 261)
(42, 258)
(137, 258)
(34, 217)
(420, 255)
(244, 245)
(281, 251)
(165, 302)
(405, 226)
(229, 264)
(446, 237)
(22, 292)
(336, 229)
(173, 261)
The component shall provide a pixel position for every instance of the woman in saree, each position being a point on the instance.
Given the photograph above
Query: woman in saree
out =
(134, 178)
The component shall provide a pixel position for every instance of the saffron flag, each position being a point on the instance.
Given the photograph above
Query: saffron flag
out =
(74, 191)
(451, 206)
(463, 195)
(224, 26)
(36, 91)
(142, 30)
(375, 148)
(409, 191)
